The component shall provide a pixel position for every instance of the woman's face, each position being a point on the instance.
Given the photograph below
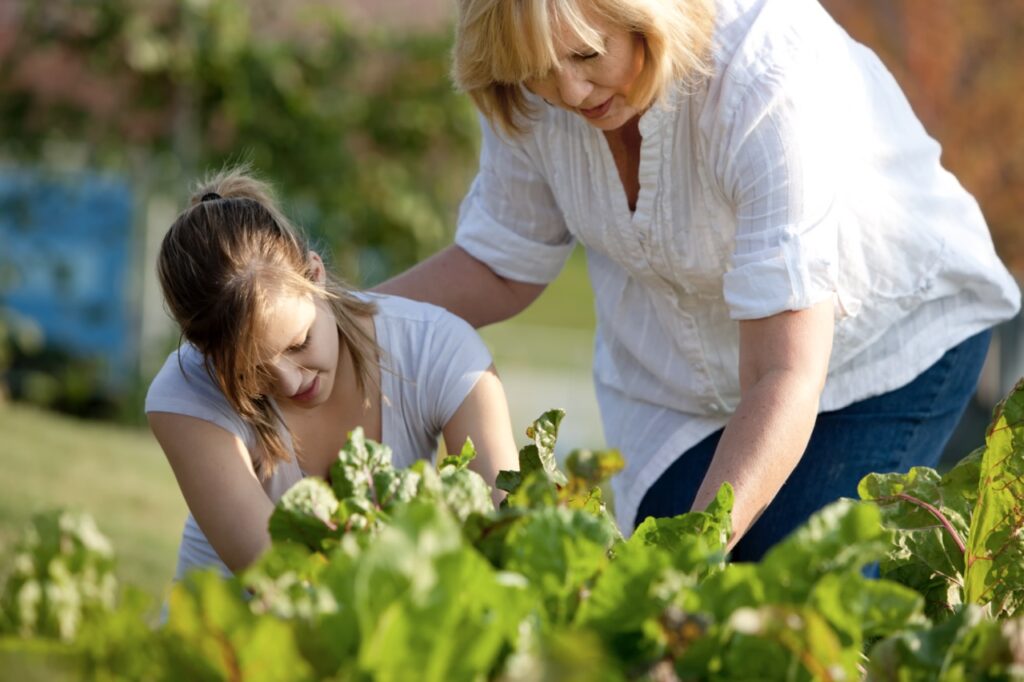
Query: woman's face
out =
(594, 85)
(303, 336)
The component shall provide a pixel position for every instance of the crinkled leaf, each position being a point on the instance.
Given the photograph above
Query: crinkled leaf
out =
(544, 432)
(859, 608)
(559, 551)
(429, 607)
(995, 547)
(465, 492)
(967, 646)
(305, 514)
(844, 536)
(929, 519)
(535, 491)
(363, 476)
(695, 541)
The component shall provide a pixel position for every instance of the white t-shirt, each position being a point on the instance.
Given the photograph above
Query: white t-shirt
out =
(798, 173)
(431, 361)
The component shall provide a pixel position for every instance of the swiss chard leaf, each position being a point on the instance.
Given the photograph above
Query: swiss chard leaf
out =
(929, 519)
(995, 548)
(305, 514)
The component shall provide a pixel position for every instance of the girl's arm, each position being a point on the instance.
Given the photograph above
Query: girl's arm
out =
(783, 365)
(215, 474)
(483, 417)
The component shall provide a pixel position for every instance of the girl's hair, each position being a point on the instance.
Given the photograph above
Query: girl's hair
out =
(499, 44)
(222, 266)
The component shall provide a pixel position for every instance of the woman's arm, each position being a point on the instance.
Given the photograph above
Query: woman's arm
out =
(463, 285)
(483, 417)
(216, 476)
(783, 365)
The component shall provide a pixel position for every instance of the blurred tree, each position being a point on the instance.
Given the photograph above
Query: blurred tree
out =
(959, 65)
(361, 132)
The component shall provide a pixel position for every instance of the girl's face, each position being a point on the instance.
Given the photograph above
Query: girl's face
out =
(304, 337)
(591, 84)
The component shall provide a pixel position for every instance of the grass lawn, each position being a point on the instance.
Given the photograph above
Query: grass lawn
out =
(116, 474)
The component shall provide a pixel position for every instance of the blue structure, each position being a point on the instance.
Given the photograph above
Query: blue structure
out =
(66, 258)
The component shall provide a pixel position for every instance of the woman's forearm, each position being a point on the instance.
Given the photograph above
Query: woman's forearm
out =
(457, 281)
(762, 444)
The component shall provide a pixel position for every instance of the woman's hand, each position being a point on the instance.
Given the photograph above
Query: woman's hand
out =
(455, 280)
(783, 366)
(483, 417)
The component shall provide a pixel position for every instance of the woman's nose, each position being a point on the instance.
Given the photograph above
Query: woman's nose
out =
(573, 89)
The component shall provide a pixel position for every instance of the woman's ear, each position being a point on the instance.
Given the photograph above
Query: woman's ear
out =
(317, 271)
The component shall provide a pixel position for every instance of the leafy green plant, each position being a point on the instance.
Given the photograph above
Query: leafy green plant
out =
(387, 574)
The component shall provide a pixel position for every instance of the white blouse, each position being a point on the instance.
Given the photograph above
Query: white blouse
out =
(798, 173)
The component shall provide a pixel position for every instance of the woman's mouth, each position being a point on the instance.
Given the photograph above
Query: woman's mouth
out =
(307, 394)
(598, 111)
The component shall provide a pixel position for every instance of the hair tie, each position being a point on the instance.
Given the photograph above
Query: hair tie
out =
(210, 196)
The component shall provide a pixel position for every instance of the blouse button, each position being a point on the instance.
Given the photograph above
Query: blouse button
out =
(713, 407)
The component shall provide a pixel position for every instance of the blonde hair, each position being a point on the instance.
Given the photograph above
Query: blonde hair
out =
(222, 266)
(499, 44)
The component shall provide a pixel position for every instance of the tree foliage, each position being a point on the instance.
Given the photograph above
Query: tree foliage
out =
(959, 64)
(360, 130)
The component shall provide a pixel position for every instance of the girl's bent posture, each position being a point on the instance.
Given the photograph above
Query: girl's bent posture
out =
(281, 362)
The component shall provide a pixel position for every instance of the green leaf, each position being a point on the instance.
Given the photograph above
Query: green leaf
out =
(212, 633)
(560, 551)
(929, 519)
(859, 608)
(777, 642)
(842, 537)
(428, 606)
(967, 646)
(589, 469)
(465, 492)
(305, 514)
(62, 571)
(462, 460)
(995, 548)
(544, 432)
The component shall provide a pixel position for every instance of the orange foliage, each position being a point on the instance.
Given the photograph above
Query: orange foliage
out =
(959, 63)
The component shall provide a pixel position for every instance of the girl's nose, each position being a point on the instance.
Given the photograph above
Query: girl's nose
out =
(287, 377)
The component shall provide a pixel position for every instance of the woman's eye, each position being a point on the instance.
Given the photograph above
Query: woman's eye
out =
(588, 55)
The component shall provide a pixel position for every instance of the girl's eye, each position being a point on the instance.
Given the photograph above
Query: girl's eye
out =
(301, 347)
(588, 55)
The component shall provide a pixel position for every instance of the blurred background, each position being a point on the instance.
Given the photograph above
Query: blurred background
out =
(109, 109)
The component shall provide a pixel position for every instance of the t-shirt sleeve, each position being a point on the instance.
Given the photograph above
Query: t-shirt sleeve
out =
(509, 219)
(457, 360)
(780, 163)
(185, 388)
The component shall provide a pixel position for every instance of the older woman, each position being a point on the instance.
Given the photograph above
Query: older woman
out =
(791, 291)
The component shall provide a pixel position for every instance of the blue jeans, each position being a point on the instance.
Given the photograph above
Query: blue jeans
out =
(891, 432)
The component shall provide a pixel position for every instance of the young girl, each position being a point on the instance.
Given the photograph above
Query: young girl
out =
(282, 362)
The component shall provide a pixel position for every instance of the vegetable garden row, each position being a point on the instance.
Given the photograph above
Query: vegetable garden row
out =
(388, 574)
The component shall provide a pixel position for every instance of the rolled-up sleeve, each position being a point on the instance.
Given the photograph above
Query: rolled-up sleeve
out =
(781, 166)
(509, 219)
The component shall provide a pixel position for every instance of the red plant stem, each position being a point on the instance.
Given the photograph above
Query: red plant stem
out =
(934, 511)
